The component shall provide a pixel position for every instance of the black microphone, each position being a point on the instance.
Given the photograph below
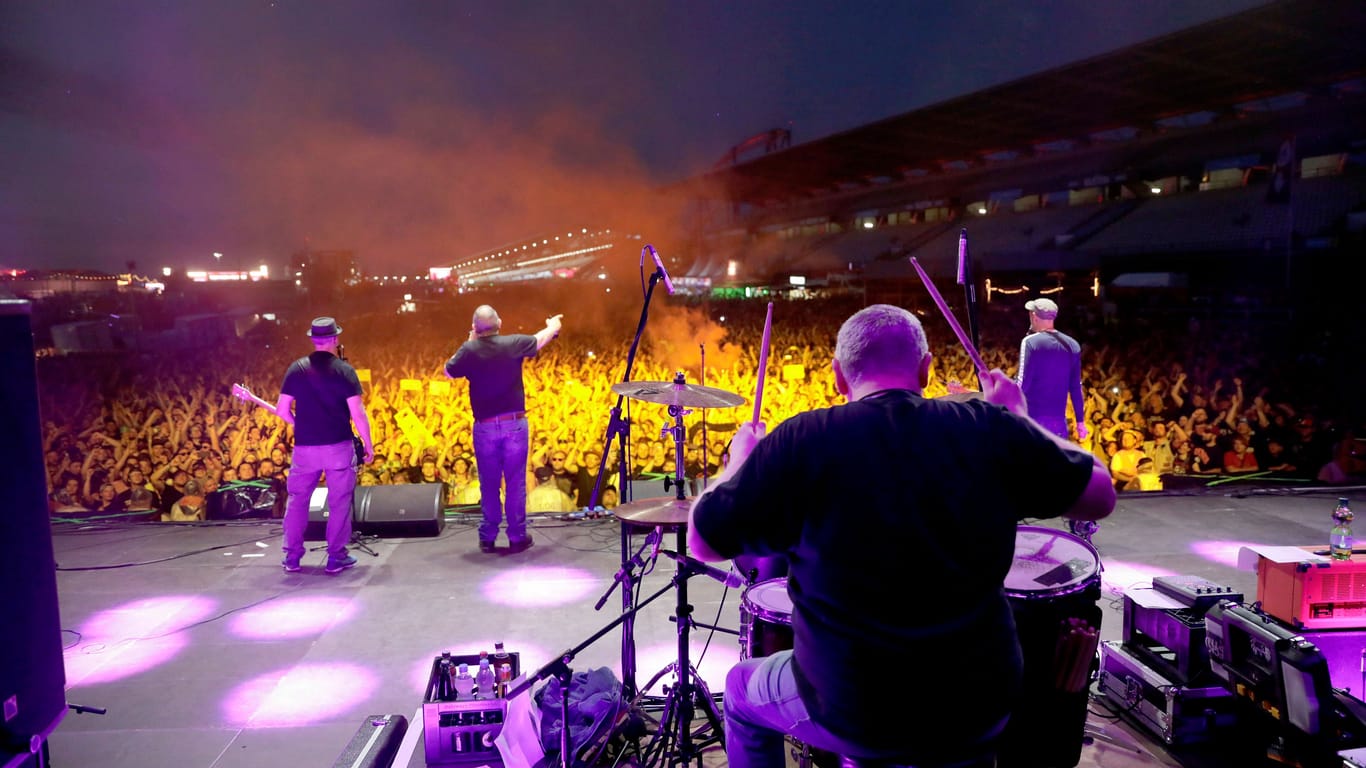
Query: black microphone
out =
(729, 578)
(963, 256)
(668, 284)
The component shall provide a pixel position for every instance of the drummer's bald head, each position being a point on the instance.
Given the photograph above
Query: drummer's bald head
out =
(486, 320)
(882, 344)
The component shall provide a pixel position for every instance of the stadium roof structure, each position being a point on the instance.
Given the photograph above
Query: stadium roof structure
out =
(1307, 46)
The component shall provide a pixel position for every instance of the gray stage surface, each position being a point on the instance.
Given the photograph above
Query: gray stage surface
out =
(206, 654)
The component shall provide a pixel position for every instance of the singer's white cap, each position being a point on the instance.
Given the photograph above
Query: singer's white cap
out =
(1044, 308)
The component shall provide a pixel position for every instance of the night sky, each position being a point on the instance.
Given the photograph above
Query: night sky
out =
(161, 131)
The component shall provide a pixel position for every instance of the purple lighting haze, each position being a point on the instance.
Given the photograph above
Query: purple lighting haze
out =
(295, 617)
(1221, 552)
(1120, 576)
(539, 586)
(307, 693)
(720, 657)
(128, 639)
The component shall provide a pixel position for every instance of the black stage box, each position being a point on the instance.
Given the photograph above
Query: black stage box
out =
(247, 500)
(1176, 713)
(398, 511)
(375, 744)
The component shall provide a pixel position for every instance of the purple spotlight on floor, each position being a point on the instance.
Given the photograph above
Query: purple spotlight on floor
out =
(540, 586)
(293, 617)
(1120, 576)
(301, 695)
(712, 667)
(1221, 552)
(133, 637)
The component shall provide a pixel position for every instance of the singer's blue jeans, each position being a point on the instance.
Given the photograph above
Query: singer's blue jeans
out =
(500, 452)
(762, 704)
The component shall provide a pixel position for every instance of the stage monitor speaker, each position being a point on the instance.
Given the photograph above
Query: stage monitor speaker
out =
(375, 744)
(316, 530)
(32, 675)
(398, 511)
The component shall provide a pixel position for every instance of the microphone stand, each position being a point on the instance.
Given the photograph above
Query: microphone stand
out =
(559, 667)
(620, 429)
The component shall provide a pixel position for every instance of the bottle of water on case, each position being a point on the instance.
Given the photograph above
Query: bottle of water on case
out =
(1340, 541)
(464, 683)
(483, 680)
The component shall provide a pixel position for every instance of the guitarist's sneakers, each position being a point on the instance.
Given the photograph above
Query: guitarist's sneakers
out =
(290, 566)
(335, 566)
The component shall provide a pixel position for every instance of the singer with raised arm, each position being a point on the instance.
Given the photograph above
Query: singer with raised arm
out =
(889, 497)
(502, 436)
(321, 397)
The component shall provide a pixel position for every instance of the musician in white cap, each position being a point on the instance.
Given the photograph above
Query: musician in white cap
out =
(1050, 371)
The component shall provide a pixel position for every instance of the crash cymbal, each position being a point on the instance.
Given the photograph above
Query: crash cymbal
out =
(661, 511)
(685, 395)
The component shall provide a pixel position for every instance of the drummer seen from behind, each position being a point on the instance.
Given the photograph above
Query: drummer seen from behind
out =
(897, 578)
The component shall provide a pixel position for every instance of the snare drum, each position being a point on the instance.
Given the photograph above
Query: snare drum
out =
(765, 619)
(1050, 565)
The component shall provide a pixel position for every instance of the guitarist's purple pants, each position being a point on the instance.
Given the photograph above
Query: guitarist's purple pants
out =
(308, 464)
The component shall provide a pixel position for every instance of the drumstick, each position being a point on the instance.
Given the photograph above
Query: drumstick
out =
(953, 322)
(763, 364)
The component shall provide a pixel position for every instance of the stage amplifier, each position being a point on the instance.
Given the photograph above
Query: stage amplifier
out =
(1314, 593)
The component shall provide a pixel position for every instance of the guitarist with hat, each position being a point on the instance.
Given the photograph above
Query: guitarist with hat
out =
(321, 397)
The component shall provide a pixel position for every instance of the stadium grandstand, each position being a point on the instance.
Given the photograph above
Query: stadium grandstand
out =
(1182, 154)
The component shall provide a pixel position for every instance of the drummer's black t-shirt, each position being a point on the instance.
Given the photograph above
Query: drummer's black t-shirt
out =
(898, 516)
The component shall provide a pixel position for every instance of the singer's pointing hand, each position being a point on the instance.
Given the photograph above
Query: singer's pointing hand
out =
(553, 323)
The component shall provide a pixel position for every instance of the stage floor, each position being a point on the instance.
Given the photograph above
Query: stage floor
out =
(206, 654)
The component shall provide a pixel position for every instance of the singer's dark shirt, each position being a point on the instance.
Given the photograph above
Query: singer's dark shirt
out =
(493, 364)
(897, 516)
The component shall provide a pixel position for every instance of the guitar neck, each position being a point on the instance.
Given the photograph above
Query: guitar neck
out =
(247, 395)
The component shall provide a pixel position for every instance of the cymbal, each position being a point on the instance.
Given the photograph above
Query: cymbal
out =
(661, 511)
(686, 395)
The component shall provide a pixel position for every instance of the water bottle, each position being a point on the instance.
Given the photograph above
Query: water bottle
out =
(1340, 540)
(464, 684)
(483, 680)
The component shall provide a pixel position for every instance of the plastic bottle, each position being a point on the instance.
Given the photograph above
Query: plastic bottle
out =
(464, 683)
(445, 678)
(504, 679)
(501, 658)
(1340, 540)
(483, 680)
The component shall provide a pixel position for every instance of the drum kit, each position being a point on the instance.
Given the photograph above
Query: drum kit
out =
(1053, 588)
(677, 740)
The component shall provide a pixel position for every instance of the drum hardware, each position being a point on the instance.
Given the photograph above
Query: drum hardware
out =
(559, 667)
(1083, 529)
(675, 736)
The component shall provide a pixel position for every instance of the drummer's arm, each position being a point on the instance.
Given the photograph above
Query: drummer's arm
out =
(740, 447)
(1098, 498)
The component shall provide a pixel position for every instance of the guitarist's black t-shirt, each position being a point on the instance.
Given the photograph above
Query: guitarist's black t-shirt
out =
(320, 385)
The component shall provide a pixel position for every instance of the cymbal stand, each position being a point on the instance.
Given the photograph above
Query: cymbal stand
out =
(675, 738)
(620, 428)
(680, 437)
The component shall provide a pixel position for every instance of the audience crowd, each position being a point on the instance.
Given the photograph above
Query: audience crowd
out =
(1169, 397)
